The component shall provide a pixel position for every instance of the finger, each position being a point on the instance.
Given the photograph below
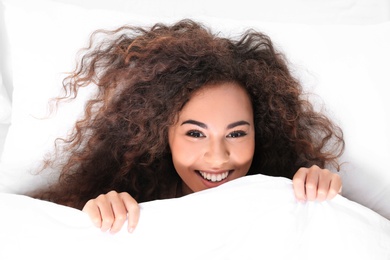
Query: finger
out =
(335, 186)
(324, 182)
(299, 184)
(104, 204)
(133, 211)
(93, 212)
(120, 213)
(311, 183)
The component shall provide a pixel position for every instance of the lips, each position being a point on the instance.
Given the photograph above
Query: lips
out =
(214, 177)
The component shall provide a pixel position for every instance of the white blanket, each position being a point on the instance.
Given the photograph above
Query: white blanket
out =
(255, 217)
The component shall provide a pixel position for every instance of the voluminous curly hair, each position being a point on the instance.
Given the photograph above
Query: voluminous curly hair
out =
(145, 77)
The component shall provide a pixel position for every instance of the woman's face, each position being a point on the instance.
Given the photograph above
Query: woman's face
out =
(213, 141)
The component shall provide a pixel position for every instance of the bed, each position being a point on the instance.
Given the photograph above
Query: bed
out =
(338, 49)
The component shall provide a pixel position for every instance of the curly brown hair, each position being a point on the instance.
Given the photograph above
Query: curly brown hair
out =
(145, 77)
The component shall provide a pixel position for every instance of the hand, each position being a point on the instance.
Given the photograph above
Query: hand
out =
(315, 183)
(110, 211)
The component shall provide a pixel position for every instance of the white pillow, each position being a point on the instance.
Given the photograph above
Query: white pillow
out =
(5, 114)
(5, 104)
(345, 65)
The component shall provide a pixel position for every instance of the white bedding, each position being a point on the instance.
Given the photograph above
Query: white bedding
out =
(255, 217)
(338, 49)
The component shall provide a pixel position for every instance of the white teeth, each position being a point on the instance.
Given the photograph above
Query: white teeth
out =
(214, 177)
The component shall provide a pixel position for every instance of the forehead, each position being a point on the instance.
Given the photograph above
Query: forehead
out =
(223, 99)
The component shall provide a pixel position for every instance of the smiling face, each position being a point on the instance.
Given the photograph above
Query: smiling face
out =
(213, 140)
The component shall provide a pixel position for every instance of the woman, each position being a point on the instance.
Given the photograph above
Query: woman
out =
(180, 109)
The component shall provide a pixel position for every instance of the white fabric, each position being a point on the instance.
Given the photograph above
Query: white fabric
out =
(345, 65)
(255, 217)
(5, 104)
(3, 135)
(5, 114)
(286, 11)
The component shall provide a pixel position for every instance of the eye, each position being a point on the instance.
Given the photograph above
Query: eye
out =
(195, 134)
(236, 134)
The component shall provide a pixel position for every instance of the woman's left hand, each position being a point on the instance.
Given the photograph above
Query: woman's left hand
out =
(315, 183)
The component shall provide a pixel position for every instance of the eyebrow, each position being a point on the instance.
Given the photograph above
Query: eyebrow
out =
(238, 123)
(194, 122)
(203, 125)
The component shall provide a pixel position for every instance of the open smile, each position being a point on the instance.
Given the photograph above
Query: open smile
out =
(214, 177)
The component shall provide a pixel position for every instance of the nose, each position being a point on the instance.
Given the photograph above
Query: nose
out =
(217, 153)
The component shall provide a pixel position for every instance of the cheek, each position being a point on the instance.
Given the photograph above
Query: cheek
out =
(183, 155)
(182, 159)
(242, 155)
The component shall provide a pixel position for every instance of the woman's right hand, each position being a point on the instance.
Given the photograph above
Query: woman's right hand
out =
(110, 211)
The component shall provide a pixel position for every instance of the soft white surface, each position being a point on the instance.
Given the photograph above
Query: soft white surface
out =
(5, 104)
(297, 11)
(5, 114)
(3, 135)
(254, 217)
(345, 64)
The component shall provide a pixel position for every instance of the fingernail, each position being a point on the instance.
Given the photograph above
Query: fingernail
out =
(131, 230)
